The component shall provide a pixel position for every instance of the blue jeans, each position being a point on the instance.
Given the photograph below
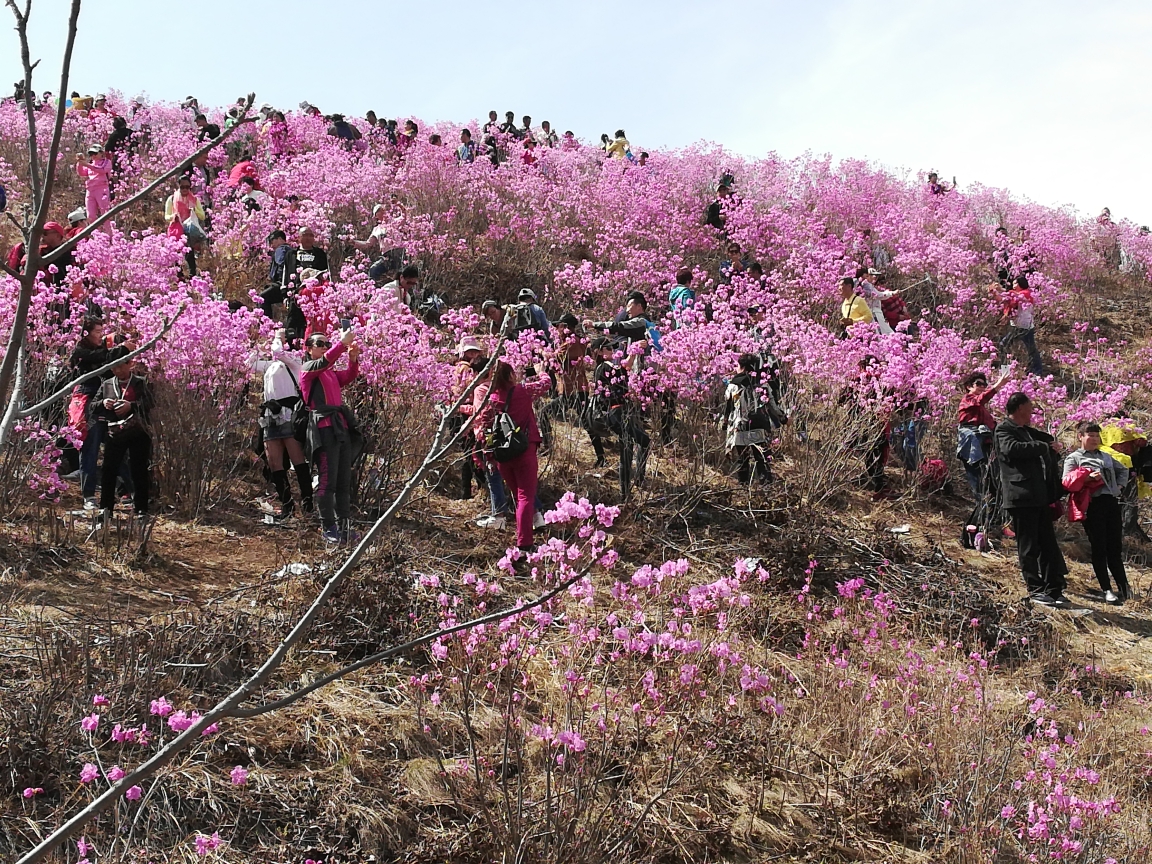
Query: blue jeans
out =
(1028, 337)
(498, 494)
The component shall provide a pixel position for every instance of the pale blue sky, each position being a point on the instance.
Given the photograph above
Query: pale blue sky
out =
(1050, 99)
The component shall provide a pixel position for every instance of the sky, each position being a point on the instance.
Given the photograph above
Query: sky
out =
(1048, 99)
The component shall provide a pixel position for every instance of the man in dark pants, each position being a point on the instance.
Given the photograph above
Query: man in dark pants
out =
(1031, 477)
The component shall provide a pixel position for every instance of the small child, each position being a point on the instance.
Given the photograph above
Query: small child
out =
(1102, 520)
(97, 174)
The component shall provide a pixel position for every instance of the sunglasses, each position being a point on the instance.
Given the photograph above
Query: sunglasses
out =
(319, 344)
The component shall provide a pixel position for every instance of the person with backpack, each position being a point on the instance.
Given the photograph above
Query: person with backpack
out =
(1095, 478)
(533, 315)
(510, 408)
(280, 271)
(1030, 478)
(333, 436)
(122, 406)
(614, 412)
(749, 425)
(185, 218)
(283, 403)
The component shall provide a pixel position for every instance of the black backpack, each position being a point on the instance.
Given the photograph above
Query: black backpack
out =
(507, 440)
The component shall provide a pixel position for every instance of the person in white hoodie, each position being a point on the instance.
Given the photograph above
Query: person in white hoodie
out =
(282, 397)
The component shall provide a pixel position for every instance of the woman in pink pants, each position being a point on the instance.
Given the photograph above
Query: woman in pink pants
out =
(97, 174)
(520, 473)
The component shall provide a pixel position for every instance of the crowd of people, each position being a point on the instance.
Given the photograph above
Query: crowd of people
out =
(586, 373)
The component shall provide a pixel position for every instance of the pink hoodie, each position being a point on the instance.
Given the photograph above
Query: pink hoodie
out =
(96, 175)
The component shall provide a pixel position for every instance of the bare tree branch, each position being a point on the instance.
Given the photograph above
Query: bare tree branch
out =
(29, 96)
(71, 243)
(407, 646)
(32, 241)
(43, 204)
(67, 388)
(10, 413)
(230, 703)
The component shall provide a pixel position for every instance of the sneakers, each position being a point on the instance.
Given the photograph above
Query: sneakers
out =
(90, 504)
(332, 535)
(538, 520)
(73, 477)
(496, 522)
(1008, 532)
(1110, 597)
(1050, 602)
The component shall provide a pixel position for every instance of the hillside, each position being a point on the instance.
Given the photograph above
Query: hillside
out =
(800, 671)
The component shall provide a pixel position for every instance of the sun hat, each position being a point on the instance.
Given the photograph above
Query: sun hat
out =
(468, 343)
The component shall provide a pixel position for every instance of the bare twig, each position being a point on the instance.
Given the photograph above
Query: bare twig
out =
(490, 618)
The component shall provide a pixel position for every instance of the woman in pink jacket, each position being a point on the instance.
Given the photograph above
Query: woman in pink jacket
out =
(332, 429)
(97, 173)
(520, 474)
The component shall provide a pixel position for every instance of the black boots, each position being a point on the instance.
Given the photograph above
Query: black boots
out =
(304, 478)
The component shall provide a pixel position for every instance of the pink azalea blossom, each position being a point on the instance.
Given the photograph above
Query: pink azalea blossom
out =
(89, 773)
(239, 776)
(133, 793)
(31, 792)
(116, 773)
(90, 723)
(161, 707)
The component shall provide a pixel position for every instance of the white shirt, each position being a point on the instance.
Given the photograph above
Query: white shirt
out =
(380, 232)
(279, 372)
(1024, 319)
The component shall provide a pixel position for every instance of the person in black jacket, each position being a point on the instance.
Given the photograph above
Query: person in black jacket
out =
(1030, 474)
(614, 411)
(714, 215)
(122, 406)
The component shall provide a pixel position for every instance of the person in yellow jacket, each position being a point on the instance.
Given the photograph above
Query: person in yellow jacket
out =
(1129, 447)
(853, 308)
(620, 148)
